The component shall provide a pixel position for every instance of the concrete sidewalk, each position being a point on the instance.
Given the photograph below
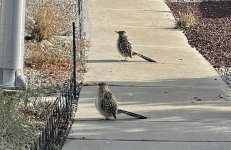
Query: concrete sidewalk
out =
(187, 103)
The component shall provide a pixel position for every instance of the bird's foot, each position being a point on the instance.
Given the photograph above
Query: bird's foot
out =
(107, 118)
(124, 60)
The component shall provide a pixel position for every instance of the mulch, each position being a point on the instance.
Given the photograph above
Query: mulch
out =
(211, 35)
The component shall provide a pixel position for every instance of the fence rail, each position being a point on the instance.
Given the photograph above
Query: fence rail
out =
(58, 122)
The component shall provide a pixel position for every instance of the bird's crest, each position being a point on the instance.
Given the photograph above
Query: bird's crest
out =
(120, 32)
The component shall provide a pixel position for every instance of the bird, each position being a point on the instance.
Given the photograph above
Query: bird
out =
(107, 105)
(125, 49)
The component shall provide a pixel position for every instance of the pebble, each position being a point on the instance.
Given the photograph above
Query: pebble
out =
(225, 73)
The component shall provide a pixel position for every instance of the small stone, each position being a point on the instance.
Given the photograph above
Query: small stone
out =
(220, 96)
(66, 65)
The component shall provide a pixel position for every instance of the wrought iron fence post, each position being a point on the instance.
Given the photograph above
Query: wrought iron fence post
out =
(74, 62)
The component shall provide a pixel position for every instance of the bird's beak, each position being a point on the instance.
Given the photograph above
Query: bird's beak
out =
(116, 31)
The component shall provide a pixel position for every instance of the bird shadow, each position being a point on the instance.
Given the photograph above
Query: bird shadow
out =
(111, 61)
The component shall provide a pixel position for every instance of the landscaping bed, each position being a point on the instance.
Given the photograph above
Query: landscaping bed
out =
(210, 33)
(26, 115)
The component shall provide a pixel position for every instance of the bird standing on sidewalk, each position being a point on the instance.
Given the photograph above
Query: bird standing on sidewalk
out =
(125, 48)
(107, 105)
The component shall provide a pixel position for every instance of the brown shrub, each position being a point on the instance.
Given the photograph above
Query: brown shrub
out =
(47, 22)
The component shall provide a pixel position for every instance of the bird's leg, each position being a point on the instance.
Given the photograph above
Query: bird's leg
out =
(107, 118)
(125, 59)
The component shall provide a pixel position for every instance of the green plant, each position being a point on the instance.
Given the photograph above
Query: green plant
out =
(22, 114)
(47, 22)
(14, 126)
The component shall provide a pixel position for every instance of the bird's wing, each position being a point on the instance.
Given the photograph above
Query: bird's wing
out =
(109, 103)
(125, 46)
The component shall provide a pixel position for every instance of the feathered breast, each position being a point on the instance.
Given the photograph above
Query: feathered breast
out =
(125, 46)
(109, 103)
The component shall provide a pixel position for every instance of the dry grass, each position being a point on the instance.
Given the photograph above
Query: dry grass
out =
(47, 22)
(54, 58)
(186, 19)
(21, 118)
(84, 45)
(186, 16)
(47, 59)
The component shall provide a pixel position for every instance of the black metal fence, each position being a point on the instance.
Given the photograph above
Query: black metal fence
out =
(60, 119)
(58, 122)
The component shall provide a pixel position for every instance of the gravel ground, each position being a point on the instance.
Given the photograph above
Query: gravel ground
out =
(55, 76)
(211, 35)
(60, 46)
(66, 8)
(225, 73)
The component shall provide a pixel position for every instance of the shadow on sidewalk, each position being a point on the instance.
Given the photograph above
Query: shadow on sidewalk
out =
(111, 61)
(197, 99)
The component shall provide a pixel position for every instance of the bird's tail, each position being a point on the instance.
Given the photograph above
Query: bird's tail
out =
(131, 114)
(144, 57)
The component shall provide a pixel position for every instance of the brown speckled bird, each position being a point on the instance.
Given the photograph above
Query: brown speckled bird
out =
(107, 105)
(125, 49)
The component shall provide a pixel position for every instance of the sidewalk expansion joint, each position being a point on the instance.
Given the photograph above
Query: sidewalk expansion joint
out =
(146, 140)
(134, 119)
(151, 86)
